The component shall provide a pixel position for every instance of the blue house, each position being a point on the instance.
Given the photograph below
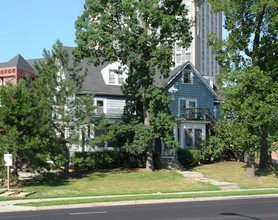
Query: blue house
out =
(195, 105)
(195, 101)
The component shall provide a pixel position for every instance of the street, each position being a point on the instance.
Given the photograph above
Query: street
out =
(256, 209)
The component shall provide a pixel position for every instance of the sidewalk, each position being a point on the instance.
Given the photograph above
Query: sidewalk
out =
(9, 206)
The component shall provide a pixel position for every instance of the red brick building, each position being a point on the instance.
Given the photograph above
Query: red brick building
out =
(15, 69)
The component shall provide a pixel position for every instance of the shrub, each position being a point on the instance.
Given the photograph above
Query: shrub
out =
(108, 159)
(105, 159)
(189, 158)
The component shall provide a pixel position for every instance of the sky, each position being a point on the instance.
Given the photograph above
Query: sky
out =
(29, 26)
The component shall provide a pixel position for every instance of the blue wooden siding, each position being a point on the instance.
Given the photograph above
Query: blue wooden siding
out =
(177, 89)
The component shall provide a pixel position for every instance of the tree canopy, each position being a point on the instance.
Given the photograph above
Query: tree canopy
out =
(141, 35)
(248, 57)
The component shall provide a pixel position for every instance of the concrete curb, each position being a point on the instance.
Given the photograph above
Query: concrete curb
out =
(9, 207)
(151, 201)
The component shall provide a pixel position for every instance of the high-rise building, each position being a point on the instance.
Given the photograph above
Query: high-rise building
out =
(199, 53)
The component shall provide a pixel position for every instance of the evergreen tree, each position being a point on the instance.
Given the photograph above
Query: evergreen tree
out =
(23, 133)
(140, 35)
(71, 114)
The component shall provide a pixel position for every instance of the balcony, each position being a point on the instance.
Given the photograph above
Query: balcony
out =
(197, 114)
(109, 112)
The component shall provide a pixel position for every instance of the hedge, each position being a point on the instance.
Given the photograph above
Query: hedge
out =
(108, 159)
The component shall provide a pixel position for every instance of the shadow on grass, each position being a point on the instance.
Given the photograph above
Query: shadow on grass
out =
(58, 179)
(266, 172)
(49, 180)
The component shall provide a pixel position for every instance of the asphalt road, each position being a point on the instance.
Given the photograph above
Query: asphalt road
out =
(252, 209)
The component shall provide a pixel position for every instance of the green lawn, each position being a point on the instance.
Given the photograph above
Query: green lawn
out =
(114, 183)
(140, 197)
(235, 172)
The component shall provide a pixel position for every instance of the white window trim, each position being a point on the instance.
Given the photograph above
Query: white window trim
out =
(191, 76)
(117, 77)
(193, 134)
(187, 100)
(104, 103)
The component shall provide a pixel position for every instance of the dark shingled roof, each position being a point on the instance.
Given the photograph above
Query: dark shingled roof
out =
(93, 81)
(32, 62)
(20, 62)
(158, 79)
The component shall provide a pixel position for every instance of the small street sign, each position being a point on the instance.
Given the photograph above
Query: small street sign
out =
(8, 158)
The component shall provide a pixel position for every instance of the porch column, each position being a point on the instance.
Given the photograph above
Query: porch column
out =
(176, 138)
(181, 136)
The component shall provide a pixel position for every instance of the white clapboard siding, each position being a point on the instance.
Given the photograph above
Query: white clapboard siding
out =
(114, 106)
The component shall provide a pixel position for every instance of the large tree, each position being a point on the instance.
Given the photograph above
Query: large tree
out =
(140, 34)
(71, 114)
(250, 51)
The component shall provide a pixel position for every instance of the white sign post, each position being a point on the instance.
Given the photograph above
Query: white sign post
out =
(8, 158)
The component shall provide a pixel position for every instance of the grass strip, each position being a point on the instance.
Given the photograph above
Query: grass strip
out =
(143, 197)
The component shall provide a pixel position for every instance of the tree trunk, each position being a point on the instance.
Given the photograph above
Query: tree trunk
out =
(82, 139)
(265, 158)
(149, 156)
(149, 161)
(250, 169)
(66, 156)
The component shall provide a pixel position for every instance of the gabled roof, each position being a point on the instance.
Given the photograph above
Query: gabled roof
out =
(20, 62)
(94, 82)
(175, 72)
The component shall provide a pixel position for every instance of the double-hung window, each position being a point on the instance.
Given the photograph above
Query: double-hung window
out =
(187, 77)
(112, 76)
(188, 137)
(100, 108)
(187, 108)
(193, 136)
(182, 107)
(198, 137)
(116, 77)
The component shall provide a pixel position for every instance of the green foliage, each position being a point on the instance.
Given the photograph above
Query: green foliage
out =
(228, 143)
(22, 126)
(108, 159)
(140, 35)
(189, 158)
(132, 135)
(209, 150)
(248, 57)
(69, 113)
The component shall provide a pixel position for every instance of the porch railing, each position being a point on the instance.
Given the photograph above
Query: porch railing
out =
(203, 114)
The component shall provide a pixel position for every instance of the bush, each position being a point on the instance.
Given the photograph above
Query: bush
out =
(108, 159)
(105, 159)
(189, 158)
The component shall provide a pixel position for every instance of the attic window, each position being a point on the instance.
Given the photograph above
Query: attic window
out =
(116, 77)
(187, 77)
(112, 76)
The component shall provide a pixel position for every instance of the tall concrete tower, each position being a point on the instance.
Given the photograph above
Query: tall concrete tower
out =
(199, 53)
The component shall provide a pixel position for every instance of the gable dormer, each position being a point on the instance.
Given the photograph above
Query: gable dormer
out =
(114, 74)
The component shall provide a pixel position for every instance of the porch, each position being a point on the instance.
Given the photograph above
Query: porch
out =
(197, 114)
